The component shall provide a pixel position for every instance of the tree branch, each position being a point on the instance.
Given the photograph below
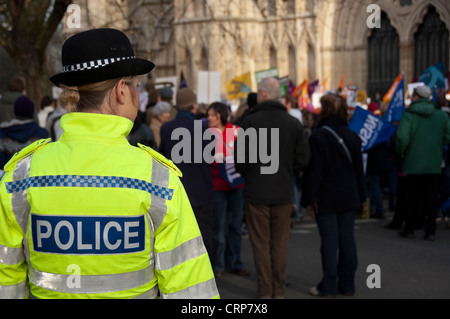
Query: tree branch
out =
(47, 31)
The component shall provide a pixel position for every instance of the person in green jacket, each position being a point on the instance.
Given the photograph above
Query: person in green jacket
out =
(423, 132)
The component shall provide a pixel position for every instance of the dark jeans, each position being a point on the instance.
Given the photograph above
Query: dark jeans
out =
(228, 212)
(422, 192)
(373, 190)
(338, 252)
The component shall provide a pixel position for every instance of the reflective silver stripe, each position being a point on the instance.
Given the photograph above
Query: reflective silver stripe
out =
(204, 290)
(184, 252)
(18, 291)
(158, 206)
(19, 202)
(91, 284)
(11, 256)
(150, 294)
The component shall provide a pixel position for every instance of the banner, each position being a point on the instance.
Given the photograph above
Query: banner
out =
(372, 129)
(284, 85)
(412, 86)
(269, 73)
(239, 87)
(208, 87)
(397, 103)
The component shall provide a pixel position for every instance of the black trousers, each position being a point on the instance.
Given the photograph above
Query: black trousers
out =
(422, 193)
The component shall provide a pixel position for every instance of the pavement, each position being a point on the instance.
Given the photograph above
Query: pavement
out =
(407, 268)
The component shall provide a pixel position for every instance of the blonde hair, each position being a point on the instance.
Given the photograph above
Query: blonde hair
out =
(89, 96)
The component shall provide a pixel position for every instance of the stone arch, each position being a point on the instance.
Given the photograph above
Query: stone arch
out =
(415, 19)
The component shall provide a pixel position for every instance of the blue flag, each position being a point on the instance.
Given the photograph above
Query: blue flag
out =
(397, 103)
(183, 83)
(372, 129)
(433, 77)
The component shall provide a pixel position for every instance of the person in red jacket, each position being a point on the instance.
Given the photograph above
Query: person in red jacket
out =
(228, 187)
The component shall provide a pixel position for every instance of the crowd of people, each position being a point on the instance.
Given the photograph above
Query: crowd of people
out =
(320, 171)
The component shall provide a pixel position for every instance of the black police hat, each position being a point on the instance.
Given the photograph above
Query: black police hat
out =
(98, 55)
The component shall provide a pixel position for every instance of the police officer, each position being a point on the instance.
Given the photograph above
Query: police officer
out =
(91, 216)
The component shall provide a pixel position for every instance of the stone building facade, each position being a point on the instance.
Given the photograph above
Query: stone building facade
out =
(304, 39)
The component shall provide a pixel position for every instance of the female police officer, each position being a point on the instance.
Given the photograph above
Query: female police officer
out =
(90, 216)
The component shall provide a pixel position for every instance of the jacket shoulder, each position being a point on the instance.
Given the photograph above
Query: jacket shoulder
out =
(26, 151)
(161, 159)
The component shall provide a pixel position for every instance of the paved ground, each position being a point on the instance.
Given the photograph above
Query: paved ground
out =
(410, 268)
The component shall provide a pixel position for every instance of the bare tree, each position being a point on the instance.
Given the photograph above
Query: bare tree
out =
(26, 28)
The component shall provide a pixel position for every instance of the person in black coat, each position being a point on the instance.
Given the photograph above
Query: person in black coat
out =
(281, 152)
(333, 192)
(188, 157)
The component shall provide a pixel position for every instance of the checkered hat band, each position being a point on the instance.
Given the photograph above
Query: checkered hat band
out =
(94, 64)
(90, 181)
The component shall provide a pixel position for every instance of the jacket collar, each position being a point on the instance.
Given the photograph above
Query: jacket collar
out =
(185, 115)
(332, 120)
(95, 126)
(268, 105)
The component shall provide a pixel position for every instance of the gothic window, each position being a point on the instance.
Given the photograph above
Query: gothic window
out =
(431, 43)
(204, 63)
(311, 63)
(272, 6)
(273, 57)
(383, 57)
(290, 6)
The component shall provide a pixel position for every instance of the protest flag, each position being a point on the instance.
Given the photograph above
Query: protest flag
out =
(341, 84)
(372, 129)
(388, 96)
(303, 100)
(397, 103)
(183, 83)
(299, 88)
(291, 88)
(323, 85)
(312, 87)
(239, 87)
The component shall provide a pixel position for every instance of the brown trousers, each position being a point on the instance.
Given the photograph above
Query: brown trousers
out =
(269, 228)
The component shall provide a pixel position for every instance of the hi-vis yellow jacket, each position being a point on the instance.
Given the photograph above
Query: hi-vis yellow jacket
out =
(91, 216)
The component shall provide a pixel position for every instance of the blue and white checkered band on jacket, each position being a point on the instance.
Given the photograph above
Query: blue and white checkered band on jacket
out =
(94, 64)
(90, 181)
